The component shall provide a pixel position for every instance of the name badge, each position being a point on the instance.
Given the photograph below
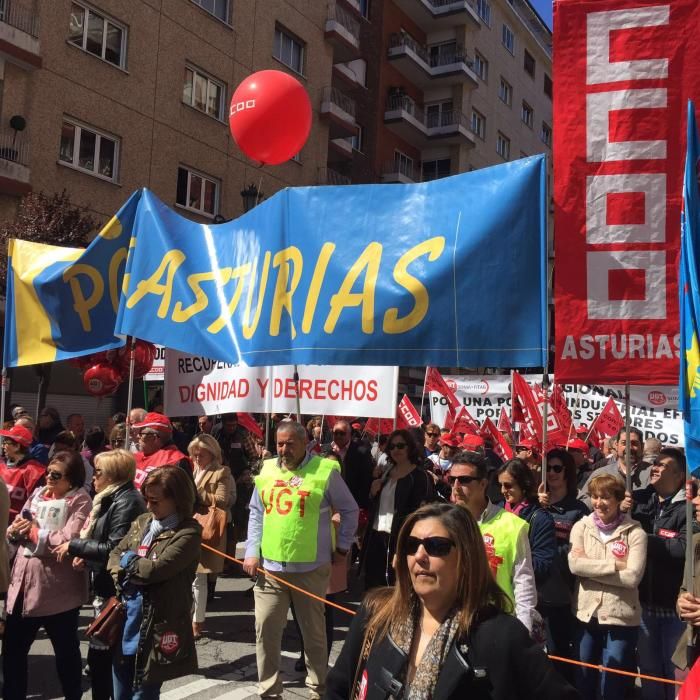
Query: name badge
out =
(142, 551)
(619, 549)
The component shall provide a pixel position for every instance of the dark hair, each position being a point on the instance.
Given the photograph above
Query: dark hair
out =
(119, 417)
(473, 459)
(229, 416)
(524, 477)
(95, 438)
(73, 462)
(413, 451)
(634, 430)
(570, 474)
(176, 484)
(67, 438)
(52, 413)
(676, 455)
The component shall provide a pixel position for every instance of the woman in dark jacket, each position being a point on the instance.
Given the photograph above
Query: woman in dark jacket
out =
(49, 426)
(401, 489)
(116, 505)
(443, 631)
(154, 567)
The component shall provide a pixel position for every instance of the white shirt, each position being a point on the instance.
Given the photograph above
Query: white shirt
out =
(385, 513)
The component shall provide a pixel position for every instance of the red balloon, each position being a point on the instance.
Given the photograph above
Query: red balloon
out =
(144, 356)
(102, 379)
(270, 116)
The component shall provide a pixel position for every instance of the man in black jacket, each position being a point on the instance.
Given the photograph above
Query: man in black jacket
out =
(356, 461)
(660, 509)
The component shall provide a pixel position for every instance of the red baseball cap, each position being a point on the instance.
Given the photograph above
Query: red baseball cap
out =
(472, 442)
(19, 434)
(578, 444)
(529, 443)
(157, 421)
(449, 439)
(356, 426)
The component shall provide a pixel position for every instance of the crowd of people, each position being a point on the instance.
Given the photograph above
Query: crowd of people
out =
(474, 568)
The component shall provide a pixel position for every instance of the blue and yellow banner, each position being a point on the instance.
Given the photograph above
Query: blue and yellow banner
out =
(450, 272)
(689, 287)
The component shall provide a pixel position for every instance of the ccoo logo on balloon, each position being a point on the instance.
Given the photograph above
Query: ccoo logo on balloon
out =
(240, 106)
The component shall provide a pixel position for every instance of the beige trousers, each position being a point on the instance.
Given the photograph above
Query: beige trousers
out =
(272, 600)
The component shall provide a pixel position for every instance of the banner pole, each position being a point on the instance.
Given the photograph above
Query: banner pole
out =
(689, 574)
(298, 400)
(422, 397)
(130, 395)
(512, 403)
(267, 431)
(628, 451)
(545, 417)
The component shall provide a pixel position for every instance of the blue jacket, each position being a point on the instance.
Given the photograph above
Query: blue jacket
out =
(543, 541)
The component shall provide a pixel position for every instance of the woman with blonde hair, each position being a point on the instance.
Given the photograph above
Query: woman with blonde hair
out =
(443, 631)
(216, 489)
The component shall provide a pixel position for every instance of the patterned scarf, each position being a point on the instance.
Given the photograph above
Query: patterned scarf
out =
(158, 526)
(425, 679)
(86, 532)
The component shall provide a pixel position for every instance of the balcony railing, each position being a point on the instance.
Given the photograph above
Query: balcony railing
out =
(406, 40)
(14, 147)
(391, 167)
(329, 176)
(443, 3)
(434, 59)
(430, 119)
(344, 19)
(447, 117)
(336, 97)
(19, 17)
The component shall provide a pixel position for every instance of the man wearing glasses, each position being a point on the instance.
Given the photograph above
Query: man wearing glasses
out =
(505, 534)
(432, 439)
(528, 451)
(356, 462)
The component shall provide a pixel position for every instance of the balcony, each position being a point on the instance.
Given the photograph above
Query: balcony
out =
(329, 176)
(411, 123)
(399, 171)
(339, 151)
(19, 34)
(433, 15)
(14, 163)
(343, 33)
(430, 66)
(339, 111)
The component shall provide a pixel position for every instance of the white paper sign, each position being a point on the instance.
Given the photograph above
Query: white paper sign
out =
(157, 371)
(196, 385)
(653, 409)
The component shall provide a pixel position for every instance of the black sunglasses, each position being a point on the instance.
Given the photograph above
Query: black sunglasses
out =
(397, 446)
(340, 432)
(433, 434)
(434, 546)
(463, 480)
(54, 476)
(556, 468)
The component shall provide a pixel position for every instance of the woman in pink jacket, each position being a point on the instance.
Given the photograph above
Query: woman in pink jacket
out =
(43, 592)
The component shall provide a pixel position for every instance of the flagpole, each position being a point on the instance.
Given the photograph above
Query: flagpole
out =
(422, 398)
(689, 575)
(298, 400)
(628, 451)
(130, 395)
(3, 391)
(512, 403)
(545, 416)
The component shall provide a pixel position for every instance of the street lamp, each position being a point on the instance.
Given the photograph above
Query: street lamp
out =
(251, 197)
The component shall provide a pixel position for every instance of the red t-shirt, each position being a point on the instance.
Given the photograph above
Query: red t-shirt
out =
(168, 456)
(21, 481)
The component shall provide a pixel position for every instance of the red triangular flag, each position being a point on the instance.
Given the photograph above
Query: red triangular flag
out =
(504, 425)
(435, 382)
(559, 430)
(464, 423)
(500, 446)
(609, 421)
(250, 424)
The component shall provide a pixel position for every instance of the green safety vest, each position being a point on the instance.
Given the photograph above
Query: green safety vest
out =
(292, 508)
(500, 538)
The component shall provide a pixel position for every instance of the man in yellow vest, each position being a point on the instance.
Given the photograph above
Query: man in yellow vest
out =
(505, 534)
(290, 527)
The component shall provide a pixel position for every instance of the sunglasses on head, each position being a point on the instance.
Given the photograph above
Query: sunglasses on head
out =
(54, 476)
(463, 480)
(556, 468)
(397, 446)
(434, 546)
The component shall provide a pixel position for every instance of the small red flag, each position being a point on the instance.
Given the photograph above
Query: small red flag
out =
(609, 421)
(435, 382)
(250, 424)
(377, 426)
(500, 446)
(503, 423)
(407, 413)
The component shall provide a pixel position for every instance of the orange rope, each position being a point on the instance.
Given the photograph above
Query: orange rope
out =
(352, 612)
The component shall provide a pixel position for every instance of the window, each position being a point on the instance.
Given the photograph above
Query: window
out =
(364, 8)
(403, 164)
(527, 114)
(508, 38)
(289, 50)
(357, 141)
(439, 114)
(218, 8)
(97, 35)
(481, 66)
(529, 64)
(483, 8)
(203, 93)
(505, 92)
(443, 54)
(479, 124)
(503, 146)
(548, 86)
(435, 169)
(197, 192)
(546, 134)
(88, 149)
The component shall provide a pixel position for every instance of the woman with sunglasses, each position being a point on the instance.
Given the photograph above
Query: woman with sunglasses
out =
(556, 592)
(45, 592)
(402, 488)
(443, 632)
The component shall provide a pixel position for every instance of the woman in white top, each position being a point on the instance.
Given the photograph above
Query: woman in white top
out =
(401, 489)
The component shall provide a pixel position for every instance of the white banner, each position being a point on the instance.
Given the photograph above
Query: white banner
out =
(195, 386)
(157, 371)
(653, 409)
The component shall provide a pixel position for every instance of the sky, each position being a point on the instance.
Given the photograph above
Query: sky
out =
(544, 7)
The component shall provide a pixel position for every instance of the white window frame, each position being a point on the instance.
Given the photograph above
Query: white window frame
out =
(357, 141)
(505, 92)
(503, 146)
(204, 177)
(99, 135)
(546, 134)
(478, 120)
(527, 115)
(508, 39)
(286, 34)
(210, 81)
(479, 60)
(106, 19)
(400, 158)
(483, 9)
(213, 14)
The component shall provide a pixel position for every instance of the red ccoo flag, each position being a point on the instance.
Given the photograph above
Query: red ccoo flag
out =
(379, 426)
(500, 446)
(249, 423)
(435, 382)
(503, 423)
(406, 413)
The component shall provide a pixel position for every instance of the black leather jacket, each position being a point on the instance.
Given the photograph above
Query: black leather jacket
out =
(118, 511)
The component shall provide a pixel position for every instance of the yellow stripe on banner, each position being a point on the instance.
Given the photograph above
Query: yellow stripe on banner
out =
(34, 341)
